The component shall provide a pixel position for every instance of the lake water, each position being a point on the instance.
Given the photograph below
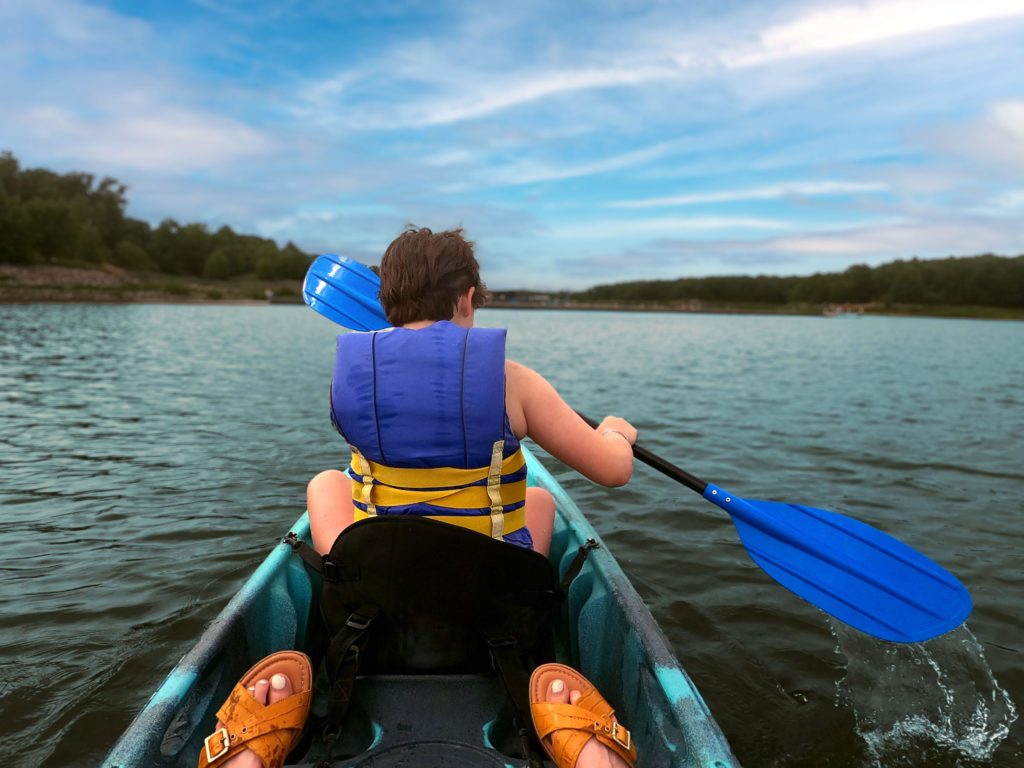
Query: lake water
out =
(151, 455)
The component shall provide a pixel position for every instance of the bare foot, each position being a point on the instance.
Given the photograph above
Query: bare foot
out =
(265, 692)
(594, 753)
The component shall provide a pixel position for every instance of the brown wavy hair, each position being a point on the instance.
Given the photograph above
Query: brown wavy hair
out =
(423, 274)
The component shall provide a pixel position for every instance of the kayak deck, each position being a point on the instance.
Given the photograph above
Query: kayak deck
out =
(426, 720)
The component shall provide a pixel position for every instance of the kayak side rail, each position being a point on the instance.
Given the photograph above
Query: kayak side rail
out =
(624, 651)
(183, 709)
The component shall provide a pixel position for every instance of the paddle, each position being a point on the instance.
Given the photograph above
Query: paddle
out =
(856, 573)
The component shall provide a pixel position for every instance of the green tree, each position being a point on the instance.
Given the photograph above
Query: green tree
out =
(9, 171)
(15, 237)
(129, 255)
(53, 230)
(91, 247)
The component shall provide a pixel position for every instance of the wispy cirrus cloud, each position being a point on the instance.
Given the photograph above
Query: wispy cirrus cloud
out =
(533, 172)
(453, 95)
(771, 192)
(798, 252)
(656, 226)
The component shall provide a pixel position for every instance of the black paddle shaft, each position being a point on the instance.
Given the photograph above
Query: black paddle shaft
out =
(665, 467)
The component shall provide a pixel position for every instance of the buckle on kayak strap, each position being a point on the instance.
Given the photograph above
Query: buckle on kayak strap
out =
(358, 622)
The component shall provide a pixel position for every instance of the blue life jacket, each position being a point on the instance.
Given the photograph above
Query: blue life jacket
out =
(424, 413)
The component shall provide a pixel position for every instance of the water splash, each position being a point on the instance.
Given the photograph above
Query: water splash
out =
(938, 702)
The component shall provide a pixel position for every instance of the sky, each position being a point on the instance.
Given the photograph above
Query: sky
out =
(577, 143)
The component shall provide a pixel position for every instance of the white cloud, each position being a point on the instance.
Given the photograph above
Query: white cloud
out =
(794, 253)
(770, 192)
(448, 93)
(1008, 203)
(996, 139)
(148, 137)
(69, 26)
(652, 227)
(532, 172)
(844, 27)
(1007, 117)
(529, 87)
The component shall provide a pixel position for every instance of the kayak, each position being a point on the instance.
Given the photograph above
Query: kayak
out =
(428, 720)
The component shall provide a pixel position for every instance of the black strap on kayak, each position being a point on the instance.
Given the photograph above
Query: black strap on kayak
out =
(516, 681)
(515, 678)
(322, 564)
(343, 665)
(343, 650)
(576, 566)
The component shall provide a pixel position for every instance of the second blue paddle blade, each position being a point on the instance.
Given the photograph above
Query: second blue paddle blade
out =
(857, 573)
(346, 292)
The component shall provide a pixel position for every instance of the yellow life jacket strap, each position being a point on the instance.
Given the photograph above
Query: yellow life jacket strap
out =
(446, 487)
(440, 477)
(365, 491)
(511, 521)
(494, 489)
(374, 494)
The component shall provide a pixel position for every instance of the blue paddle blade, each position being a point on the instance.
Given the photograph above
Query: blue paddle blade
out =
(346, 292)
(858, 574)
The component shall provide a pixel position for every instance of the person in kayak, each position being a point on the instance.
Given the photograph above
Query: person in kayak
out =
(434, 412)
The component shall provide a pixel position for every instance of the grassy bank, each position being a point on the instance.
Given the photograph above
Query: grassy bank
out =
(76, 283)
(754, 308)
(70, 283)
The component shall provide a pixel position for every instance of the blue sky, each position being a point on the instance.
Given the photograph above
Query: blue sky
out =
(577, 143)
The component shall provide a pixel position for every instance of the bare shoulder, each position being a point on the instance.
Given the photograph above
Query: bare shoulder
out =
(523, 380)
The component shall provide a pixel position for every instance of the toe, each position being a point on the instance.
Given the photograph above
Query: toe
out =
(558, 692)
(260, 694)
(280, 688)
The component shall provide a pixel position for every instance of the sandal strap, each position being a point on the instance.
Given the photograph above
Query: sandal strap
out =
(266, 730)
(575, 724)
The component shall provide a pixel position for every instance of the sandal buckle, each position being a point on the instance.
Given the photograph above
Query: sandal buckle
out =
(224, 746)
(617, 732)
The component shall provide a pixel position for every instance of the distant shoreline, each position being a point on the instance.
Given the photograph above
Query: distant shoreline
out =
(966, 313)
(51, 284)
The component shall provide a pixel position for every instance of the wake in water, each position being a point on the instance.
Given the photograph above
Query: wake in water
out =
(923, 704)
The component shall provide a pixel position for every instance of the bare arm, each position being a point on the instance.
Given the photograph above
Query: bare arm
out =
(537, 410)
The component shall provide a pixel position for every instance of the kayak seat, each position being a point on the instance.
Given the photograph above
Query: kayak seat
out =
(408, 595)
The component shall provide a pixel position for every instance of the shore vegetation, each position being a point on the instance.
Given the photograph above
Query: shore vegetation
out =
(66, 237)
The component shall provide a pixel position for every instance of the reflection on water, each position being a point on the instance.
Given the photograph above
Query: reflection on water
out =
(151, 455)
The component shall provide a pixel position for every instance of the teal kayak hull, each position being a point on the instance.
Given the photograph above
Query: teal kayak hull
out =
(609, 635)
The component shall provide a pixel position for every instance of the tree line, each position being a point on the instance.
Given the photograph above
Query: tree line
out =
(46, 217)
(69, 218)
(986, 280)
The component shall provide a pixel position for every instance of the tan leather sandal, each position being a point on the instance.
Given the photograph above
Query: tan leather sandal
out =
(564, 729)
(268, 730)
